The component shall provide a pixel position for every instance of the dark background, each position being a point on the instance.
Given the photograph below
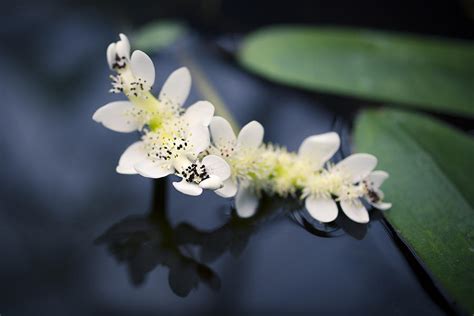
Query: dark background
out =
(59, 190)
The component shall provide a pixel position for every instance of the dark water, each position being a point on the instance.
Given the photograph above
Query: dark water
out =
(59, 192)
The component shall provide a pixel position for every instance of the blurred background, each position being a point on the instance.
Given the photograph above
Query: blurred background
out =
(59, 189)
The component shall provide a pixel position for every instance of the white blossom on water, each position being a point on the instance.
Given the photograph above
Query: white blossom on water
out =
(204, 151)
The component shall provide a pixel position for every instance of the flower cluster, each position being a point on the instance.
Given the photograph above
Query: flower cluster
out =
(203, 150)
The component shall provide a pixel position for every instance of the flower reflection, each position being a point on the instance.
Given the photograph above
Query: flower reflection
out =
(234, 235)
(144, 242)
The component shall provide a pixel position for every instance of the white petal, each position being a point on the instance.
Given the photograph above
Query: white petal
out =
(321, 209)
(358, 166)
(111, 55)
(229, 189)
(217, 166)
(131, 156)
(355, 210)
(320, 148)
(155, 170)
(115, 117)
(187, 188)
(376, 178)
(251, 135)
(199, 138)
(142, 67)
(200, 113)
(382, 205)
(246, 202)
(221, 132)
(123, 46)
(177, 86)
(211, 183)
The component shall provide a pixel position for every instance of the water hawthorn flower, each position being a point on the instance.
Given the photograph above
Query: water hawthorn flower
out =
(347, 182)
(203, 150)
(172, 137)
(242, 153)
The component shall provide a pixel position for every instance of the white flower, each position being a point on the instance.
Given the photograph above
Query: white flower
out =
(174, 148)
(343, 180)
(241, 153)
(173, 138)
(350, 180)
(175, 145)
(135, 77)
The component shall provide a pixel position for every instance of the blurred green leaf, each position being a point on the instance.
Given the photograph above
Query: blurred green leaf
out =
(431, 190)
(158, 35)
(430, 73)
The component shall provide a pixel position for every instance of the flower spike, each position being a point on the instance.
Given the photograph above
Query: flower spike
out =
(204, 151)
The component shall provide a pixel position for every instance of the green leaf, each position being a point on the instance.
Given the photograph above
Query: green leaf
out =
(157, 35)
(431, 190)
(431, 73)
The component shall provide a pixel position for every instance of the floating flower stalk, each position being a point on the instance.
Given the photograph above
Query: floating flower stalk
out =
(203, 150)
